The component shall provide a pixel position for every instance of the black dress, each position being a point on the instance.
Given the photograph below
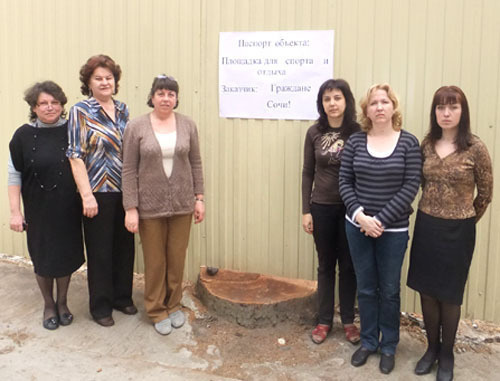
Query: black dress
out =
(52, 206)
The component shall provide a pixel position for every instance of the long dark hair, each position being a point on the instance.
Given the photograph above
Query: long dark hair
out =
(447, 95)
(349, 121)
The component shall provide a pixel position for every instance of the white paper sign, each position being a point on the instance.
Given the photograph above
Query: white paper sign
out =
(273, 75)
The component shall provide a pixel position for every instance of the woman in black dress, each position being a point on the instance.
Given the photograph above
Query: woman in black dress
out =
(40, 172)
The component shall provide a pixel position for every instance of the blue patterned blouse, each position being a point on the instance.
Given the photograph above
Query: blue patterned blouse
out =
(97, 140)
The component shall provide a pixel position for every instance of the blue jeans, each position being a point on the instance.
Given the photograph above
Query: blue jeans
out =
(377, 263)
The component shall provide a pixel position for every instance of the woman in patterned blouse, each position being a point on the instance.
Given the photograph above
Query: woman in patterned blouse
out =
(96, 128)
(455, 164)
(323, 209)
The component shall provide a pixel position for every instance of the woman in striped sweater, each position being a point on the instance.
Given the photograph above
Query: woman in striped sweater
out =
(379, 179)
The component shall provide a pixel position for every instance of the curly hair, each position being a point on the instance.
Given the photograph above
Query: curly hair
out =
(32, 93)
(93, 63)
(397, 117)
(163, 82)
(349, 119)
(449, 95)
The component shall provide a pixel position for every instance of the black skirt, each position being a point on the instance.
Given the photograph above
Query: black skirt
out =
(440, 257)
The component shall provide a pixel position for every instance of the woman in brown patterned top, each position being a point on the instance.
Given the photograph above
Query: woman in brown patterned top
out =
(455, 164)
(323, 209)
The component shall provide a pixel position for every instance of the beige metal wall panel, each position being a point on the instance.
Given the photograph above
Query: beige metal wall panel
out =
(253, 167)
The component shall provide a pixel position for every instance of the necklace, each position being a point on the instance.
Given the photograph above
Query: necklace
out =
(56, 168)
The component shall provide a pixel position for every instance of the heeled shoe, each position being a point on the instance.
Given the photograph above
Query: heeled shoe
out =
(424, 365)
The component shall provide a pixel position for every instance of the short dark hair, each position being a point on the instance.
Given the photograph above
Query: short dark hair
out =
(349, 119)
(93, 63)
(32, 93)
(163, 82)
(449, 95)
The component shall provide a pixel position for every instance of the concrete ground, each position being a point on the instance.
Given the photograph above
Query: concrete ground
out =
(206, 348)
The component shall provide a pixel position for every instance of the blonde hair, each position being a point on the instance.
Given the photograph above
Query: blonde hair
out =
(397, 118)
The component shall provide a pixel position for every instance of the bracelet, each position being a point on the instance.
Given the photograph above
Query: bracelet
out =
(199, 199)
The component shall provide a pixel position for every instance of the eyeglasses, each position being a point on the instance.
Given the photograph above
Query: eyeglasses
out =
(163, 76)
(45, 104)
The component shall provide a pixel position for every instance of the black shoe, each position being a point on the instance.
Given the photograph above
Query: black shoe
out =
(128, 310)
(360, 356)
(51, 323)
(386, 363)
(64, 315)
(424, 365)
(444, 374)
(66, 318)
(105, 321)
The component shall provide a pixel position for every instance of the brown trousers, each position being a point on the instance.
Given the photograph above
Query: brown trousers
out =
(164, 245)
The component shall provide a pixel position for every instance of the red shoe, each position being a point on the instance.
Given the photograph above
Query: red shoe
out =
(320, 333)
(351, 333)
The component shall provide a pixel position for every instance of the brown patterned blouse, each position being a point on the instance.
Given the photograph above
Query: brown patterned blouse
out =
(448, 183)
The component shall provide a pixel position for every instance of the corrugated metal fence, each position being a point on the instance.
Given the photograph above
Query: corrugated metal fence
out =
(253, 167)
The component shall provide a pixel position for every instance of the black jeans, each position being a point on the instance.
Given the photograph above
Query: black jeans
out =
(332, 247)
(110, 256)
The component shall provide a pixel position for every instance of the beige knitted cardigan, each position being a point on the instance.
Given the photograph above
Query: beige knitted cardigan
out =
(145, 184)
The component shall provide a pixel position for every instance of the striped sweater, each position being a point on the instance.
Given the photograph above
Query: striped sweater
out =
(381, 187)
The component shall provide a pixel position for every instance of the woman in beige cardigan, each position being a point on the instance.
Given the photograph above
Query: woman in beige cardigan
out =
(162, 190)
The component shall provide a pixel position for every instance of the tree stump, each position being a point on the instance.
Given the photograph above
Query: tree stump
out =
(256, 300)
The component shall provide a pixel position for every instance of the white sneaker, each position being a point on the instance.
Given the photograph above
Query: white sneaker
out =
(164, 327)
(177, 318)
